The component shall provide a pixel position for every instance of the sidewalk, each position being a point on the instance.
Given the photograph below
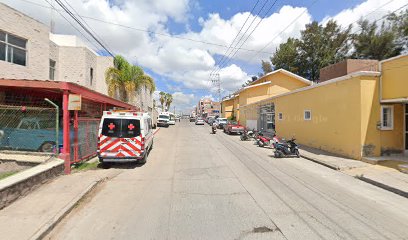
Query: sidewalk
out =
(32, 216)
(383, 177)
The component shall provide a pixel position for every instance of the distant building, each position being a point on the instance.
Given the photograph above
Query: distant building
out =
(206, 108)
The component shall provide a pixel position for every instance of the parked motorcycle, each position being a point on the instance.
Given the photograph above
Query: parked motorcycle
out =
(262, 140)
(247, 134)
(286, 148)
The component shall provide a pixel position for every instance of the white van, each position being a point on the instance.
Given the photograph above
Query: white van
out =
(124, 136)
(163, 119)
(172, 120)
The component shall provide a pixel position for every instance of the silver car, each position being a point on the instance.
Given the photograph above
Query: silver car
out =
(199, 121)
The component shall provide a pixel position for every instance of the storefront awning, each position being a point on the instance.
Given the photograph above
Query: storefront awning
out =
(395, 100)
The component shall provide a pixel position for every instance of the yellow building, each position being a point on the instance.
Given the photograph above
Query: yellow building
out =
(273, 83)
(357, 115)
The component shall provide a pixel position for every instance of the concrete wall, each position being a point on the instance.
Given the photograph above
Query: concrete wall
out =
(346, 67)
(38, 48)
(227, 108)
(395, 78)
(336, 120)
(74, 64)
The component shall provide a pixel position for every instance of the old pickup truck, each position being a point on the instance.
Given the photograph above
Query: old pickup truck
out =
(233, 127)
(36, 134)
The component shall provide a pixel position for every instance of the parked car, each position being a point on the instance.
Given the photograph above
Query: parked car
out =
(233, 127)
(211, 120)
(199, 121)
(192, 119)
(221, 122)
(32, 133)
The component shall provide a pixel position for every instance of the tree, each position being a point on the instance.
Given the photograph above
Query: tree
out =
(116, 76)
(266, 67)
(162, 99)
(373, 42)
(169, 100)
(319, 46)
(126, 80)
(399, 24)
(286, 56)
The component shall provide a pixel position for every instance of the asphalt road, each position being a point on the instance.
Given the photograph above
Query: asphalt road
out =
(196, 185)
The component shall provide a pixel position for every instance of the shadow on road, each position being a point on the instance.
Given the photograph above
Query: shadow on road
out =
(129, 165)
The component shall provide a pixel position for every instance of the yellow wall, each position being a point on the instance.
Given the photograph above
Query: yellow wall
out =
(236, 107)
(227, 108)
(395, 78)
(335, 124)
(280, 83)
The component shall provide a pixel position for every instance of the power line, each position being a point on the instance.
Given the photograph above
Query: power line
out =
(72, 25)
(83, 27)
(280, 33)
(145, 30)
(246, 20)
(86, 23)
(242, 36)
(230, 58)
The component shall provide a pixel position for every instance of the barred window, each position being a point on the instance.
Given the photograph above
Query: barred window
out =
(13, 49)
(52, 69)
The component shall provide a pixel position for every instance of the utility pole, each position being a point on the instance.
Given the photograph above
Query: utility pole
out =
(215, 80)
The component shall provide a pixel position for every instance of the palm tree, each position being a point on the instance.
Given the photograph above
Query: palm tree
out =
(116, 77)
(169, 100)
(162, 99)
(126, 80)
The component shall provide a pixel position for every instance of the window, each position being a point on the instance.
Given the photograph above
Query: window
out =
(12, 49)
(307, 115)
(91, 76)
(387, 117)
(52, 69)
(280, 116)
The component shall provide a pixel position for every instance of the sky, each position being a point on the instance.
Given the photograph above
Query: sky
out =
(181, 42)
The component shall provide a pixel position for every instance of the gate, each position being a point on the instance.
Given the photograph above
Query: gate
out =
(85, 139)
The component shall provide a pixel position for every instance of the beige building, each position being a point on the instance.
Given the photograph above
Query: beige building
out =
(29, 51)
(206, 108)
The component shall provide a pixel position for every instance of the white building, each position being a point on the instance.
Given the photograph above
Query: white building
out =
(28, 50)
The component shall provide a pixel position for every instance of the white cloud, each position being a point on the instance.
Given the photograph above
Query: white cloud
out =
(370, 10)
(184, 63)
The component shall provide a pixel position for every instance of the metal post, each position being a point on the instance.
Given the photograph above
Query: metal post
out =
(56, 124)
(66, 131)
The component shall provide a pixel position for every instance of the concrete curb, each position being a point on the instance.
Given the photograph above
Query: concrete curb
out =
(334, 167)
(44, 230)
(362, 178)
(383, 186)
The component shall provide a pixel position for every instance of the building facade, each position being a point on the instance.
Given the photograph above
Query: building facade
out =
(362, 114)
(28, 50)
(208, 108)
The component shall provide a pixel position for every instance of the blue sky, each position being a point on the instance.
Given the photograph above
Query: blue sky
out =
(182, 67)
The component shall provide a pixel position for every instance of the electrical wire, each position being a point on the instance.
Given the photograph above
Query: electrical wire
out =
(266, 14)
(72, 25)
(144, 30)
(83, 27)
(229, 47)
(92, 30)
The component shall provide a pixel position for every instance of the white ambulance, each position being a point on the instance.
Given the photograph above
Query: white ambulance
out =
(125, 136)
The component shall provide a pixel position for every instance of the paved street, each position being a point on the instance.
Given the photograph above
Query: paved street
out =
(196, 185)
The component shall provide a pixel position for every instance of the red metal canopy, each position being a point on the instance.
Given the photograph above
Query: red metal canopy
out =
(59, 86)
